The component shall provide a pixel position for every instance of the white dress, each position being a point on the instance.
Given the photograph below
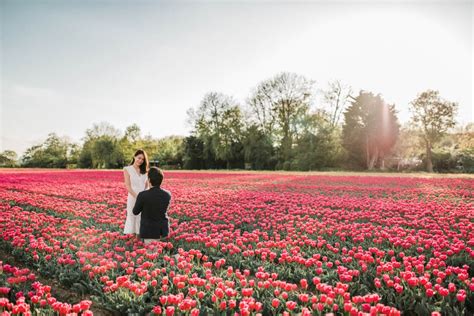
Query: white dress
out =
(138, 183)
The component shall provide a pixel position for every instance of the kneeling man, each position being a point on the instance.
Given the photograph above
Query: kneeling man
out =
(153, 205)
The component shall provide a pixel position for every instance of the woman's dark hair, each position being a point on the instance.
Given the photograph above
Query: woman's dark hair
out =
(155, 175)
(144, 166)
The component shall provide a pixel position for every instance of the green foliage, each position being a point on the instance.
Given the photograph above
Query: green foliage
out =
(335, 99)
(217, 123)
(53, 153)
(443, 161)
(278, 105)
(433, 116)
(259, 153)
(129, 143)
(318, 146)
(279, 129)
(105, 147)
(170, 151)
(370, 130)
(446, 161)
(8, 158)
(465, 160)
(85, 156)
(453, 152)
(106, 153)
(102, 148)
(193, 153)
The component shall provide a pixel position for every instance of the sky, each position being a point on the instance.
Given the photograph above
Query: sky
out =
(66, 65)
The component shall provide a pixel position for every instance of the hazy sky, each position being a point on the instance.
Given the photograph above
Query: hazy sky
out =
(68, 64)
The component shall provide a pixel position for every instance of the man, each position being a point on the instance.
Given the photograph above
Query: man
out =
(153, 205)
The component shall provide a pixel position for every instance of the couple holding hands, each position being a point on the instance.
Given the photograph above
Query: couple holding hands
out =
(147, 202)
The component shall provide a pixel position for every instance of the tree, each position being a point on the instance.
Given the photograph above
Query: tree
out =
(258, 149)
(318, 145)
(52, 153)
(193, 153)
(102, 147)
(133, 133)
(277, 105)
(217, 123)
(454, 151)
(131, 141)
(335, 100)
(433, 116)
(106, 153)
(85, 156)
(8, 158)
(73, 154)
(465, 136)
(149, 144)
(370, 129)
(102, 129)
(408, 148)
(170, 151)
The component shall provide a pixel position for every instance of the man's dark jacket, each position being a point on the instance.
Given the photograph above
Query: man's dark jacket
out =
(153, 205)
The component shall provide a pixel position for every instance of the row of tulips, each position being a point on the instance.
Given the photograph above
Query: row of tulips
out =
(108, 186)
(415, 254)
(22, 294)
(150, 275)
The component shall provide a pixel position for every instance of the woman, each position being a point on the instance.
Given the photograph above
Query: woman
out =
(135, 181)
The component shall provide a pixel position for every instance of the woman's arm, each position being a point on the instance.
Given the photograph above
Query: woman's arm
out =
(138, 207)
(128, 184)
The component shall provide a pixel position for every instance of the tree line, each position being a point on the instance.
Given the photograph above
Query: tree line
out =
(286, 123)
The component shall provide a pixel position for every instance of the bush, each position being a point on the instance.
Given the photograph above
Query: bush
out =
(445, 161)
(465, 160)
(442, 161)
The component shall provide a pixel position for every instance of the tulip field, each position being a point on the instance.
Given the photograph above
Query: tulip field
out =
(240, 244)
